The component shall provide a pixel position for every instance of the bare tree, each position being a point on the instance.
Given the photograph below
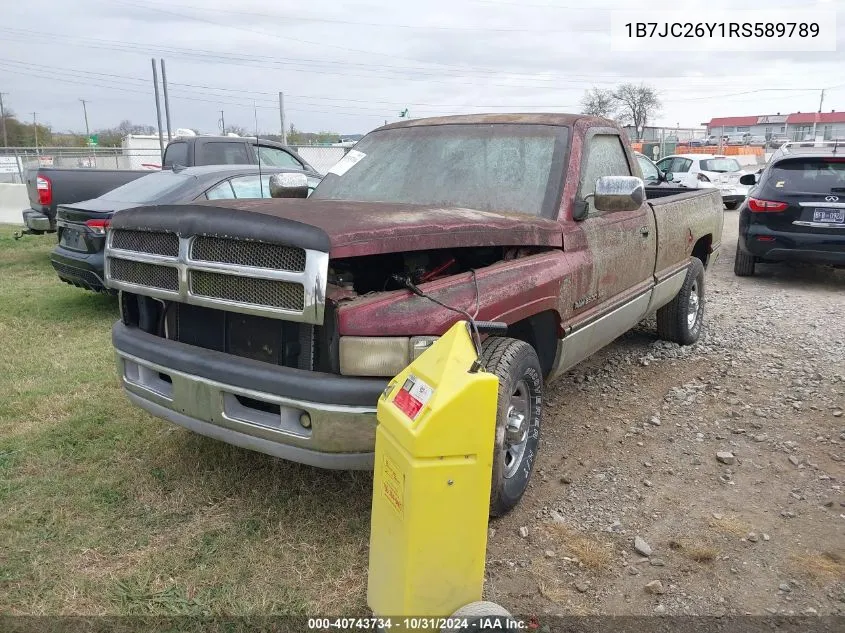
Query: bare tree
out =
(637, 104)
(598, 102)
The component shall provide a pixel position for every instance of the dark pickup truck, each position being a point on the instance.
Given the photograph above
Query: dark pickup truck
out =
(49, 187)
(276, 325)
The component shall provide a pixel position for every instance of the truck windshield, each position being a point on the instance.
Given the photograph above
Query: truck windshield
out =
(148, 189)
(488, 167)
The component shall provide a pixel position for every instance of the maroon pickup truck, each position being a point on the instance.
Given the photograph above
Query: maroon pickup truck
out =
(275, 324)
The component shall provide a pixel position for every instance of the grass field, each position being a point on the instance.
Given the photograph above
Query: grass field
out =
(106, 510)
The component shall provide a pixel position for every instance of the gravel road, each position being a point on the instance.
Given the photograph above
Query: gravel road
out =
(725, 459)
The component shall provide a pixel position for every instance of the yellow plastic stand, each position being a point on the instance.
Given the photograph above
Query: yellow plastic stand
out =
(431, 486)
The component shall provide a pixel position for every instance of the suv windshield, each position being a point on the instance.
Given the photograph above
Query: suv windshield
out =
(148, 188)
(808, 175)
(720, 165)
(489, 167)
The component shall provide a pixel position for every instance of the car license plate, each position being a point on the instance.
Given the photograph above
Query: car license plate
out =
(830, 216)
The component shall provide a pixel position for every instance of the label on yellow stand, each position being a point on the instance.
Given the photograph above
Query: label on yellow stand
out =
(412, 396)
(393, 484)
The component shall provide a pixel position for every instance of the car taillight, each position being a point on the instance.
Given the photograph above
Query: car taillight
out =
(45, 190)
(98, 226)
(702, 177)
(755, 205)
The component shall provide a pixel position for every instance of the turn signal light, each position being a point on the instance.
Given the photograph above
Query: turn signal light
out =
(755, 205)
(98, 226)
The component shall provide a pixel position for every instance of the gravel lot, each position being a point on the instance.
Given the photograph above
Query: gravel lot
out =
(724, 458)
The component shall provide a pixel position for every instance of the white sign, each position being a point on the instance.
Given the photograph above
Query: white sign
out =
(9, 165)
(704, 28)
(346, 163)
(45, 161)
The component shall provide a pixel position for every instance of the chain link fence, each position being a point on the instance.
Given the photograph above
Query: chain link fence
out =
(14, 161)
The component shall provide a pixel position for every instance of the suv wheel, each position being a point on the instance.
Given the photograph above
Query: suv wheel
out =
(743, 263)
(680, 320)
(518, 417)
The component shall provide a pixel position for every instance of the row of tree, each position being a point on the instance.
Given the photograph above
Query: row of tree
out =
(629, 104)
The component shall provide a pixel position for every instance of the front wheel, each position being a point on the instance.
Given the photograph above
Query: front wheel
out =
(680, 320)
(520, 407)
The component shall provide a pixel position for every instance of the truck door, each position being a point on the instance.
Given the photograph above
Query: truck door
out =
(623, 244)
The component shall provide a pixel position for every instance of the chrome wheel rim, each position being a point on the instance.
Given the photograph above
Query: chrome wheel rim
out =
(516, 428)
(694, 306)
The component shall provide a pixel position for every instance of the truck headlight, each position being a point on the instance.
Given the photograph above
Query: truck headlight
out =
(381, 356)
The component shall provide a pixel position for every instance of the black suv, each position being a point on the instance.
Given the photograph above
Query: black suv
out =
(796, 210)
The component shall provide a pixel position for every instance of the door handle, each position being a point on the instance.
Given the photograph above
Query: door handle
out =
(644, 231)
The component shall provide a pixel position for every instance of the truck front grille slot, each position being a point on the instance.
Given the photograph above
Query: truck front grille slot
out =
(142, 274)
(284, 295)
(248, 253)
(151, 242)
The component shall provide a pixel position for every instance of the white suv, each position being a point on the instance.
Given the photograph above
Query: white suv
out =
(702, 171)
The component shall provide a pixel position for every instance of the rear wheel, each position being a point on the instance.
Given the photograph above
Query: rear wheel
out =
(731, 206)
(680, 320)
(743, 263)
(520, 406)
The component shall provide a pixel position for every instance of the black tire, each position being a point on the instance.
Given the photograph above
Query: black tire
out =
(680, 320)
(743, 263)
(516, 365)
(731, 206)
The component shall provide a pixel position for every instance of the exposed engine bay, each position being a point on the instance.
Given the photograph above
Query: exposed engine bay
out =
(379, 273)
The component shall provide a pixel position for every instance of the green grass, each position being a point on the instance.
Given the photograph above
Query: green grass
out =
(106, 510)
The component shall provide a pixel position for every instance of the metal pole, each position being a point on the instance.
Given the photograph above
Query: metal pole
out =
(3, 119)
(816, 118)
(166, 100)
(35, 129)
(282, 117)
(222, 124)
(85, 111)
(158, 110)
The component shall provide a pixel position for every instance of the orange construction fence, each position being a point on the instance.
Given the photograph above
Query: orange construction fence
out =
(727, 150)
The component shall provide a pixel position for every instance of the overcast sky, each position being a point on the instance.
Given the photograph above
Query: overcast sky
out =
(347, 67)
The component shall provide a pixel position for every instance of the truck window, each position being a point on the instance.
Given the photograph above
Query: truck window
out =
(275, 157)
(224, 153)
(176, 154)
(605, 157)
(250, 187)
(222, 191)
(499, 167)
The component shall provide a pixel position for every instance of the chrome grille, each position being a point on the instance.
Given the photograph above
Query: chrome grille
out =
(284, 295)
(154, 242)
(248, 253)
(141, 274)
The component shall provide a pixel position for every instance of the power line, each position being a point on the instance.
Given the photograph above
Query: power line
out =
(416, 27)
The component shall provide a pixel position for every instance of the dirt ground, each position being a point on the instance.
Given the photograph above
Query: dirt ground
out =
(630, 443)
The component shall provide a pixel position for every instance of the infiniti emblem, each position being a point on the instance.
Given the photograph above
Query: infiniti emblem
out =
(832, 199)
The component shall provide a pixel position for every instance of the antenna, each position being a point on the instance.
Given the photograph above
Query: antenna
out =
(258, 148)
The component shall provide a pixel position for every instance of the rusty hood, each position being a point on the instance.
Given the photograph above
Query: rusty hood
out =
(369, 228)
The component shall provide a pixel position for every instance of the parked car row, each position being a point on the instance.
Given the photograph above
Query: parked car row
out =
(49, 187)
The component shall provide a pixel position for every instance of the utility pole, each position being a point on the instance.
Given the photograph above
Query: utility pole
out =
(282, 117)
(3, 119)
(35, 129)
(816, 118)
(85, 112)
(166, 100)
(222, 124)
(158, 110)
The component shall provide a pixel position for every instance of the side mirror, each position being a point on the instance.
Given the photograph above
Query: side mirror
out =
(748, 179)
(668, 176)
(619, 193)
(289, 185)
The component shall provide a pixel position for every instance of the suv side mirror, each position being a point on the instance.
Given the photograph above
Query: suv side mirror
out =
(667, 176)
(619, 193)
(289, 185)
(748, 179)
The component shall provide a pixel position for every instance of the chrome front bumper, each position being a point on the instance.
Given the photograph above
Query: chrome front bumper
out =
(337, 436)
